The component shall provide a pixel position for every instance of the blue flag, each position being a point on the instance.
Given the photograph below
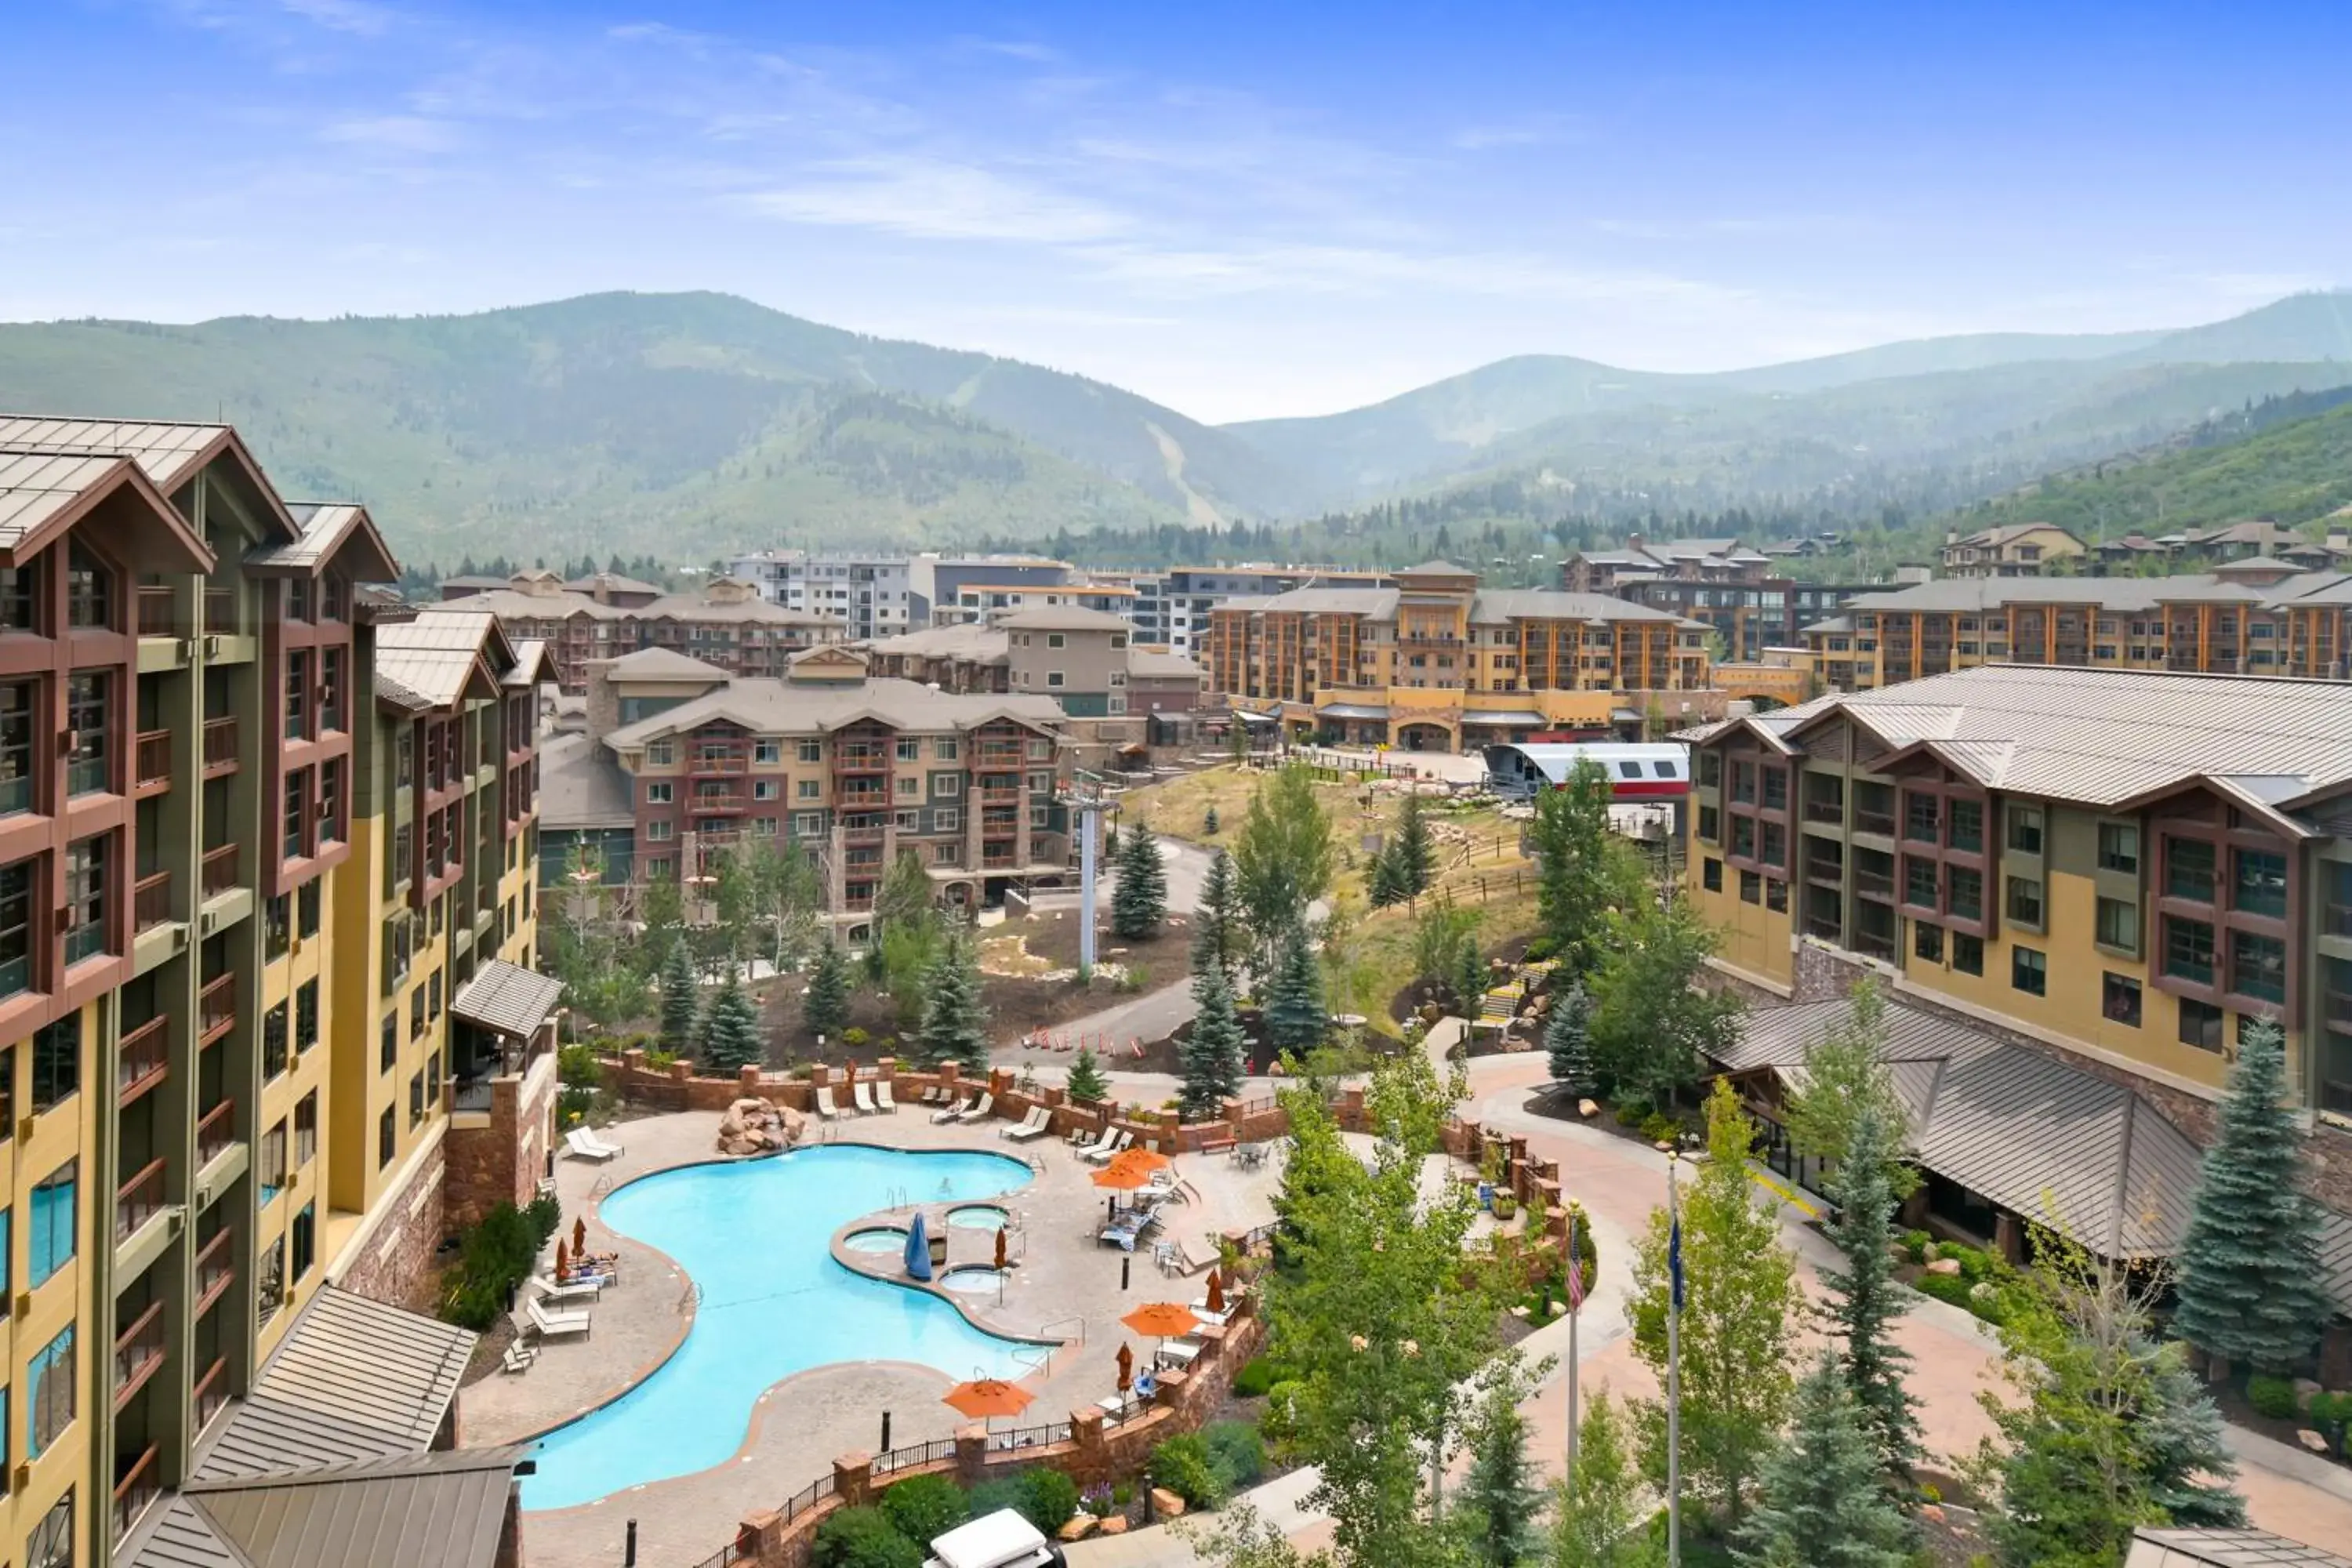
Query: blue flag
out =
(1674, 1260)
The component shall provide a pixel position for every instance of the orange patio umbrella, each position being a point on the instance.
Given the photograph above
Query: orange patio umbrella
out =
(985, 1396)
(1162, 1320)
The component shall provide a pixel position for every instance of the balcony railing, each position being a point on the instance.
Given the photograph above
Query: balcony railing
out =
(155, 616)
(152, 761)
(723, 765)
(217, 1133)
(219, 871)
(1879, 822)
(85, 775)
(220, 611)
(216, 1266)
(2339, 919)
(137, 1351)
(143, 1060)
(139, 1200)
(151, 901)
(854, 837)
(999, 756)
(216, 1009)
(1000, 795)
(138, 1488)
(211, 1393)
(220, 745)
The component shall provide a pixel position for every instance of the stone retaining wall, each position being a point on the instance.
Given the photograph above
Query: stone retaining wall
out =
(395, 1266)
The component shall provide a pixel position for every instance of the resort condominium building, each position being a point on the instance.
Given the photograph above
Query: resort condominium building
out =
(186, 708)
(1435, 663)
(2118, 870)
(727, 622)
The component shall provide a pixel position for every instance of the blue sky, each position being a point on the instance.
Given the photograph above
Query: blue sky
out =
(1239, 210)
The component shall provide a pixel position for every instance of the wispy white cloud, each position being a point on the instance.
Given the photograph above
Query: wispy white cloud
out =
(929, 198)
(395, 134)
(358, 16)
(1527, 130)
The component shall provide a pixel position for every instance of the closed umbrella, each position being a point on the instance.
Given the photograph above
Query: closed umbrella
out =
(1126, 1367)
(1216, 1290)
(918, 1249)
(580, 1236)
(562, 1261)
(1000, 1249)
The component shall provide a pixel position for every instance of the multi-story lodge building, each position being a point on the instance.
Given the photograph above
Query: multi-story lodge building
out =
(855, 770)
(1732, 589)
(1087, 660)
(867, 594)
(2255, 616)
(2012, 550)
(727, 623)
(1435, 663)
(2078, 886)
(198, 769)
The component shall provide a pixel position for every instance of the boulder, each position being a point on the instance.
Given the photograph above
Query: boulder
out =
(1945, 1265)
(1586, 1108)
(1558, 1307)
(1115, 1525)
(1078, 1527)
(2311, 1440)
(1932, 1513)
(2304, 1388)
(1166, 1504)
(731, 1126)
(1520, 1311)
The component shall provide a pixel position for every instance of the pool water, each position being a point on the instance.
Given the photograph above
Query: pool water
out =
(874, 1241)
(977, 1216)
(754, 1236)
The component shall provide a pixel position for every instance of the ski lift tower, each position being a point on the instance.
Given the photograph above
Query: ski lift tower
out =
(1085, 799)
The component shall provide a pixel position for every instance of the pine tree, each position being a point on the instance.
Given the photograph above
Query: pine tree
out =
(1219, 935)
(1385, 886)
(1865, 1302)
(1568, 1036)
(1416, 856)
(1210, 1060)
(1086, 1081)
(2187, 1460)
(1820, 1503)
(954, 1026)
(825, 1009)
(1208, 821)
(1139, 902)
(1295, 1015)
(731, 1030)
(2249, 1278)
(1497, 1506)
(678, 1011)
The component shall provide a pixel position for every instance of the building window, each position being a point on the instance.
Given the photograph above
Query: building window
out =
(2117, 925)
(946, 818)
(87, 718)
(1710, 825)
(947, 748)
(1775, 895)
(57, 1062)
(910, 786)
(49, 1233)
(20, 601)
(1923, 817)
(386, 1136)
(298, 696)
(909, 749)
(404, 758)
(306, 1016)
(767, 789)
(273, 1042)
(1054, 677)
(1710, 875)
(271, 1175)
(1968, 954)
(17, 730)
(2025, 829)
(2029, 970)
(947, 787)
(305, 1234)
(1776, 789)
(807, 823)
(2200, 1025)
(2188, 950)
(90, 593)
(330, 690)
(1926, 942)
(2258, 883)
(49, 1410)
(660, 791)
(2188, 870)
(296, 815)
(808, 789)
(1919, 882)
(1966, 889)
(811, 750)
(1751, 888)
(1710, 769)
(660, 830)
(1968, 825)
(1775, 848)
(2258, 966)
(1743, 838)
(2119, 999)
(387, 1053)
(269, 1281)
(2025, 902)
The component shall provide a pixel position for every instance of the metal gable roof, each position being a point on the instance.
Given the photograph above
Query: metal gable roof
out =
(164, 450)
(445, 1510)
(2225, 1549)
(437, 652)
(506, 998)
(265, 1437)
(659, 664)
(327, 528)
(43, 492)
(374, 1366)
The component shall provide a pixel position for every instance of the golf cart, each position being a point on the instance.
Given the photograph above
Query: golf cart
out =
(1001, 1540)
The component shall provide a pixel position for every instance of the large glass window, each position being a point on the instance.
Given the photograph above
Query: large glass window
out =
(2029, 970)
(2023, 904)
(297, 797)
(86, 722)
(273, 1042)
(90, 591)
(2258, 883)
(1968, 825)
(2200, 1025)
(2025, 829)
(306, 1016)
(84, 890)
(1968, 893)
(297, 695)
(2188, 870)
(2119, 999)
(2258, 966)
(331, 689)
(50, 1401)
(15, 928)
(305, 1233)
(50, 1228)
(269, 1280)
(20, 599)
(2119, 848)
(386, 1136)
(17, 731)
(1968, 954)
(1776, 789)
(2117, 925)
(271, 1177)
(57, 1062)
(1923, 817)
(2188, 950)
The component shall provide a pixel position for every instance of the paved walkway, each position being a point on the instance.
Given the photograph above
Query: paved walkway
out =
(1062, 1273)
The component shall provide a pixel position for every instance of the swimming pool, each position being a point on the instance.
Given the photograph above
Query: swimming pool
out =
(754, 1236)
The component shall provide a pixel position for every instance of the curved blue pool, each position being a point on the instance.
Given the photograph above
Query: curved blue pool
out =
(754, 1238)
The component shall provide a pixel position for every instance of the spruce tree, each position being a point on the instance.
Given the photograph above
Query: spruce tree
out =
(731, 1030)
(1139, 902)
(1819, 1501)
(2187, 1460)
(1385, 886)
(954, 1026)
(1219, 933)
(1111, 841)
(825, 1008)
(1416, 856)
(2249, 1278)
(1212, 1056)
(1295, 1015)
(1086, 1081)
(1568, 1037)
(678, 1011)
(1865, 1302)
(1497, 1504)
(1208, 821)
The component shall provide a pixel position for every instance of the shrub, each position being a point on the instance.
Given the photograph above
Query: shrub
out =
(1659, 1128)
(658, 1060)
(1253, 1379)
(1915, 1245)
(863, 1538)
(495, 1256)
(923, 1507)
(577, 1067)
(2271, 1396)
(1237, 1451)
(855, 1037)
(1281, 1405)
(1975, 1265)
(1540, 949)
(994, 1497)
(1047, 1498)
(1929, 1492)
(1183, 1465)
(1209, 820)
(1632, 1113)
(1948, 1288)
(545, 1215)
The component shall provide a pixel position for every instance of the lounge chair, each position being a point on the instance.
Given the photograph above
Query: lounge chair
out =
(1101, 1152)
(1101, 1146)
(862, 1094)
(825, 1106)
(586, 1145)
(882, 1096)
(551, 1324)
(519, 1356)
(1180, 1352)
(950, 1111)
(978, 1108)
(579, 1290)
(931, 1096)
(1040, 1122)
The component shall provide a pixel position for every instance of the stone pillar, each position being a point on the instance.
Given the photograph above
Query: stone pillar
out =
(889, 1067)
(971, 1455)
(950, 1073)
(853, 1479)
(747, 1081)
(760, 1540)
(1093, 1462)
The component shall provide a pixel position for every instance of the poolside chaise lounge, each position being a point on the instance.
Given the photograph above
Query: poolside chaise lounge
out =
(950, 1111)
(519, 1356)
(862, 1094)
(932, 1096)
(1109, 1142)
(882, 1095)
(1101, 1152)
(1040, 1122)
(586, 1145)
(978, 1108)
(579, 1290)
(825, 1106)
(551, 1324)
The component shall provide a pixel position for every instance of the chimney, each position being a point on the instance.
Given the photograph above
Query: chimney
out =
(1633, 541)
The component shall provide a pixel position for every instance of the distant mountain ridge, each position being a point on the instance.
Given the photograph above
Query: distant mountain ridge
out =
(696, 424)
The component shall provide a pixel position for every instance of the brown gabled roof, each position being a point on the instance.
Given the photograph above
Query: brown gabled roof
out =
(328, 531)
(167, 451)
(43, 493)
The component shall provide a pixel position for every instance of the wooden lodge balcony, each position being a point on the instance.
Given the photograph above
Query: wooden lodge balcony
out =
(151, 763)
(861, 760)
(1000, 755)
(217, 1133)
(138, 1199)
(219, 871)
(220, 746)
(151, 901)
(210, 1396)
(143, 1060)
(139, 1486)
(137, 1351)
(216, 1268)
(727, 766)
(220, 611)
(215, 1010)
(156, 616)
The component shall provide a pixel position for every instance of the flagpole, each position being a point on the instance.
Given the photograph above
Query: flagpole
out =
(1674, 1371)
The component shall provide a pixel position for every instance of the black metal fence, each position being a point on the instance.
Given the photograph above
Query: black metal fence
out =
(914, 1453)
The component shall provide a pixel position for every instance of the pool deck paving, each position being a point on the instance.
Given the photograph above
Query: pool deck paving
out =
(1059, 1271)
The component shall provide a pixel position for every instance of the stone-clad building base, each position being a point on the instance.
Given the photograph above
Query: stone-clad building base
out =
(391, 1260)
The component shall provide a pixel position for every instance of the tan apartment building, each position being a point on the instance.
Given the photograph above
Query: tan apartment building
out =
(181, 693)
(727, 622)
(2112, 872)
(1436, 663)
(2255, 617)
(2013, 550)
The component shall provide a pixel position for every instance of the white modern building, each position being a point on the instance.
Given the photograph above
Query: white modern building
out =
(868, 592)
